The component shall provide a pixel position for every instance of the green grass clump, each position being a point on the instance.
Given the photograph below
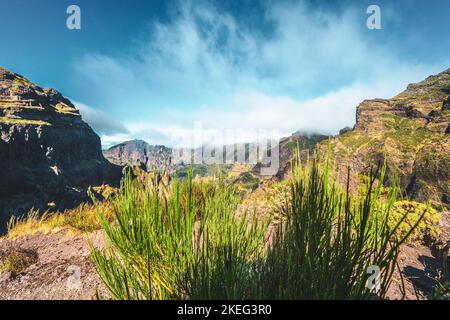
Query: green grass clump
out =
(189, 244)
(427, 228)
(330, 239)
(184, 244)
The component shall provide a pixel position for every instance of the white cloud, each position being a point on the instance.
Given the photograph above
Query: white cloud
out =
(100, 121)
(308, 73)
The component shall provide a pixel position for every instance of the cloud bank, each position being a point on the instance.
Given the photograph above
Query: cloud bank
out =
(102, 123)
(299, 69)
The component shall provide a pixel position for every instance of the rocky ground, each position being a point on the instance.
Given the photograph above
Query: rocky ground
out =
(421, 265)
(54, 276)
(61, 254)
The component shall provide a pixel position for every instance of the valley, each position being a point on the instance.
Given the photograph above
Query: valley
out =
(59, 192)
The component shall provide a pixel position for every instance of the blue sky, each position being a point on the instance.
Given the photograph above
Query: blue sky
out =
(150, 69)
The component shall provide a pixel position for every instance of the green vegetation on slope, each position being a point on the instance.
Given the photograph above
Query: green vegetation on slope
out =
(24, 121)
(405, 132)
(354, 140)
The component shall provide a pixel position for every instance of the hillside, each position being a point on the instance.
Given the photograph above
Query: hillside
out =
(305, 142)
(411, 132)
(49, 154)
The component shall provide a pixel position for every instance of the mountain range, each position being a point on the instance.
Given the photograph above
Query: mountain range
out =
(50, 156)
(410, 132)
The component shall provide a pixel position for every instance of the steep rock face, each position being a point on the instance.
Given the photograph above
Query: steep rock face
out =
(411, 132)
(49, 155)
(140, 153)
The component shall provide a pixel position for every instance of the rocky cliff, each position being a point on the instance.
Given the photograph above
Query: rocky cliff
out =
(49, 154)
(411, 131)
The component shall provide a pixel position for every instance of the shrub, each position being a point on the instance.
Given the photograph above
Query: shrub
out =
(427, 228)
(81, 219)
(17, 260)
(184, 246)
(330, 239)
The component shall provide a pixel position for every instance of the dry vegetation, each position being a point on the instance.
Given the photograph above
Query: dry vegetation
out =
(82, 219)
(17, 260)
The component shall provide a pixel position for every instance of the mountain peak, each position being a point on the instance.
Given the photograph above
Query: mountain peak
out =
(409, 131)
(22, 102)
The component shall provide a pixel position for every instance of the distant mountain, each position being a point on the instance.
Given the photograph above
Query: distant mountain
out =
(160, 158)
(409, 131)
(305, 142)
(49, 154)
(140, 153)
